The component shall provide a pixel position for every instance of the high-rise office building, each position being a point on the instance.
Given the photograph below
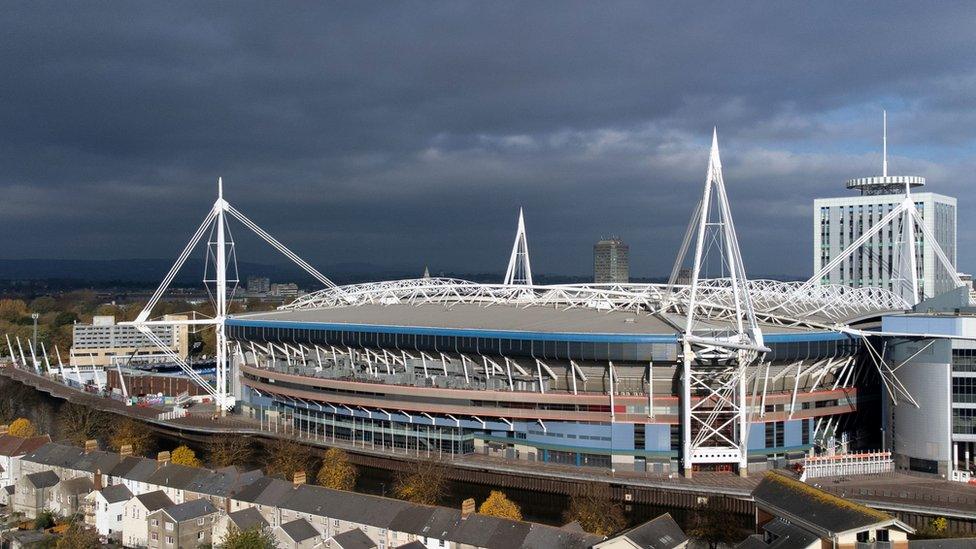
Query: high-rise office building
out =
(611, 263)
(838, 222)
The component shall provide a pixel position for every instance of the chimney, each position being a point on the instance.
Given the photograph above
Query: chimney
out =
(125, 450)
(467, 508)
(299, 478)
(163, 457)
(98, 479)
(4, 428)
(90, 446)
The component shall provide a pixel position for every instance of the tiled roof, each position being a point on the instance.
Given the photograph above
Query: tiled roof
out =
(299, 530)
(660, 533)
(247, 518)
(55, 455)
(17, 446)
(44, 479)
(353, 539)
(154, 501)
(171, 475)
(77, 486)
(116, 493)
(190, 510)
(822, 510)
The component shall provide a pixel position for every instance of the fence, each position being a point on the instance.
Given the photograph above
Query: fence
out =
(866, 463)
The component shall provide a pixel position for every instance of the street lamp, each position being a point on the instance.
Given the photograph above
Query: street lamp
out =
(35, 316)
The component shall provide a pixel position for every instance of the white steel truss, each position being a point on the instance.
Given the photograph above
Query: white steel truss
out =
(519, 267)
(220, 250)
(714, 426)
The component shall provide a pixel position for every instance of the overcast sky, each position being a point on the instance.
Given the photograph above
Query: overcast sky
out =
(404, 134)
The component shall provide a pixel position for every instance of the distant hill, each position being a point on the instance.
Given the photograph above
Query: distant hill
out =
(151, 271)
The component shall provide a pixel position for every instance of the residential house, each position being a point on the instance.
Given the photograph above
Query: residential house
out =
(174, 480)
(68, 496)
(184, 526)
(263, 494)
(11, 450)
(245, 519)
(33, 492)
(792, 514)
(351, 539)
(298, 534)
(106, 509)
(135, 512)
(220, 484)
(659, 533)
(52, 456)
(134, 472)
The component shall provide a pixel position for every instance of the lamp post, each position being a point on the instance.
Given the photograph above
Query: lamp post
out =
(35, 316)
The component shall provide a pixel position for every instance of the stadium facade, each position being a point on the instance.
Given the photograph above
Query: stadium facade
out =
(569, 374)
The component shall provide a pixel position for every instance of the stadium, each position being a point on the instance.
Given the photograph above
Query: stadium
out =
(581, 374)
(716, 373)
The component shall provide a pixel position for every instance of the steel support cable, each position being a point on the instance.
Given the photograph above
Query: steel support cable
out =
(177, 266)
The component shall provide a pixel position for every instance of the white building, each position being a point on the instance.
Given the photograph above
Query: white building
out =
(883, 261)
(840, 221)
(939, 436)
(135, 515)
(105, 343)
(107, 507)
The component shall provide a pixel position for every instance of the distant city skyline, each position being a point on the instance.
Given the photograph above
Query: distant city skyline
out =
(403, 137)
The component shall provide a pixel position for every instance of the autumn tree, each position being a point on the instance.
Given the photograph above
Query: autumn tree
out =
(132, 433)
(250, 538)
(78, 536)
(288, 457)
(714, 525)
(595, 511)
(422, 481)
(22, 427)
(498, 505)
(183, 455)
(336, 472)
(78, 423)
(225, 450)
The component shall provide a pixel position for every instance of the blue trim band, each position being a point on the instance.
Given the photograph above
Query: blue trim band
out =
(511, 334)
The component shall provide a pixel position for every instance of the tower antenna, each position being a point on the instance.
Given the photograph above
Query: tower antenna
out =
(884, 144)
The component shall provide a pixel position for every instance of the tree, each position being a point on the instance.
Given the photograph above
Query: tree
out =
(498, 505)
(336, 472)
(130, 432)
(79, 423)
(183, 455)
(12, 309)
(288, 457)
(45, 519)
(251, 538)
(22, 427)
(714, 525)
(422, 481)
(77, 536)
(593, 508)
(225, 450)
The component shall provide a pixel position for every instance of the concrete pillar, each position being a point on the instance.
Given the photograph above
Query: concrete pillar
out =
(955, 456)
(966, 463)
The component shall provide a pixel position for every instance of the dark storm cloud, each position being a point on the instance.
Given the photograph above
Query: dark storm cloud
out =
(410, 133)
